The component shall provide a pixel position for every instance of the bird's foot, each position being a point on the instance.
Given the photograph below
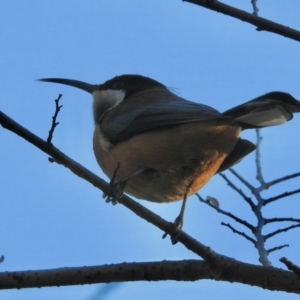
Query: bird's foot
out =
(116, 188)
(116, 192)
(178, 223)
(175, 231)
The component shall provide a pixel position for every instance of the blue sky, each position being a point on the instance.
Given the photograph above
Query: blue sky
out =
(51, 218)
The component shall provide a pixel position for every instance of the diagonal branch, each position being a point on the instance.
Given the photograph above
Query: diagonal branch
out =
(239, 191)
(261, 23)
(243, 234)
(190, 243)
(277, 248)
(228, 214)
(243, 180)
(267, 236)
(272, 220)
(288, 177)
(283, 195)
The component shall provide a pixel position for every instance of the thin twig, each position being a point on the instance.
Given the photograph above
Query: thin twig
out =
(243, 234)
(239, 191)
(243, 180)
(277, 248)
(228, 214)
(54, 123)
(290, 265)
(288, 177)
(261, 23)
(283, 195)
(272, 220)
(285, 229)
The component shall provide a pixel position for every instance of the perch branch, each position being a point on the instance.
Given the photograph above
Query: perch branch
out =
(260, 23)
(187, 270)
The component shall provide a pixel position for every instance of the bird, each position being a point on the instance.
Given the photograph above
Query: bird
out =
(157, 146)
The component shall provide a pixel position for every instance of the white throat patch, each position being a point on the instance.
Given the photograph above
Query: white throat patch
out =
(113, 97)
(105, 100)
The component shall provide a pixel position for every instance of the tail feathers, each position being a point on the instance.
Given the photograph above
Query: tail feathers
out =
(268, 110)
(90, 88)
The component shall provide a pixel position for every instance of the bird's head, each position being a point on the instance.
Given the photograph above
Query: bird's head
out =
(113, 91)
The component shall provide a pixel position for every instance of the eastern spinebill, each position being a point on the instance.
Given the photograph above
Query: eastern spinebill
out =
(157, 146)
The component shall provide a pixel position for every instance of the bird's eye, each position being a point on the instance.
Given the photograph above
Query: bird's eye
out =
(118, 85)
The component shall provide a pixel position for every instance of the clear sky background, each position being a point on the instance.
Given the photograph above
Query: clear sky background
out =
(50, 218)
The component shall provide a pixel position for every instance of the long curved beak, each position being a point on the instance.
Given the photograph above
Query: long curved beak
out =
(90, 88)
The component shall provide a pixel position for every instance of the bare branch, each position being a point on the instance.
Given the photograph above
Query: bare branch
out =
(277, 248)
(288, 177)
(261, 23)
(242, 180)
(228, 214)
(187, 270)
(257, 231)
(283, 195)
(267, 236)
(54, 123)
(146, 271)
(239, 191)
(290, 265)
(243, 234)
(272, 220)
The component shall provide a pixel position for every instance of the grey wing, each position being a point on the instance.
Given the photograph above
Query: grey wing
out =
(127, 120)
